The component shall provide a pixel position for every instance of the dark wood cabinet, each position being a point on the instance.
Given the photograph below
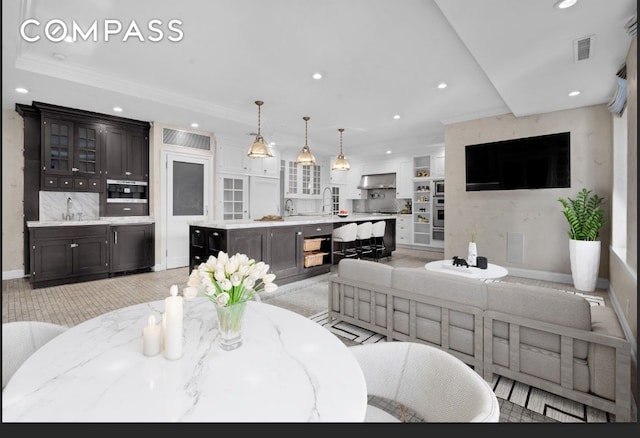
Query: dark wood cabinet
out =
(131, 247)
(285, 251)
(127, 153)
(249, 241)
(70, 154)
(68, 254)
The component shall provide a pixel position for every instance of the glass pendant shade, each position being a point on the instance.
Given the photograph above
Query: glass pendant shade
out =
(259, 148)
(341, 162)
(305, 157)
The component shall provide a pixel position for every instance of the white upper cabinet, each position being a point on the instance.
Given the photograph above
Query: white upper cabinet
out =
(437, 166)
(351, 190)
(235, 160)
(302, 181)
(404, 174)
(339, 177)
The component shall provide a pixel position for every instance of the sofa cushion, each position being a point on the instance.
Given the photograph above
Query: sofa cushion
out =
(365, 271)
(449, 287)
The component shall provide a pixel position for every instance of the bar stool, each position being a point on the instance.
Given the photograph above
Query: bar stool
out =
(377, 235)
(345, 237)
(363, 239)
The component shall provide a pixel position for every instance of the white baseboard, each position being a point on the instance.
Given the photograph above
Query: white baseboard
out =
(159, 267)
(602, 283)
(10, 275)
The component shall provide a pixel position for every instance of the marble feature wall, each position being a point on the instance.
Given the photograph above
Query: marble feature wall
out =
(536, 215)
(83, 206)
(12, 193)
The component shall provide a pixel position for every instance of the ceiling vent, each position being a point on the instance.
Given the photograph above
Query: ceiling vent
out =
(187, 139)
(583, 48)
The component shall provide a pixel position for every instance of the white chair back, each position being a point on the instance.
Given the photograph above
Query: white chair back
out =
(378, 229)
(434, 384)
(345, 233)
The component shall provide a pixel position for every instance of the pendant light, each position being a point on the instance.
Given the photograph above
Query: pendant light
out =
(258, 148)
(305, 157)
(341, 162)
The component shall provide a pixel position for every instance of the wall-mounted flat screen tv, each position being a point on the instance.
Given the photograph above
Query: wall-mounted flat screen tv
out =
(541, 162)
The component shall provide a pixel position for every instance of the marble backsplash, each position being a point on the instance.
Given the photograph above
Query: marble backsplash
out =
(54, 206)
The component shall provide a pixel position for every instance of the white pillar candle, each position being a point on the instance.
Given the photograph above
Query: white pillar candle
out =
(173, 331)
(151, 338)
(164, 328)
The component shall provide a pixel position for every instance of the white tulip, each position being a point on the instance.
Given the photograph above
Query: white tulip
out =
(219, 275)
(225, 284)
(231, 267)
(223, 257)
(236, 279)
(270, 287)
(248, 283)
(222, 299)
(269, 278)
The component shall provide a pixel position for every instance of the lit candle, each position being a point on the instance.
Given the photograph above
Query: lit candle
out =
(173, 329)
(151, 338)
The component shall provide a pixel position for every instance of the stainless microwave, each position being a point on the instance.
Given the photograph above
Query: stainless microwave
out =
(439, 187)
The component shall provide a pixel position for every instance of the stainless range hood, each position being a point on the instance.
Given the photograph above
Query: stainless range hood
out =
(378, 181)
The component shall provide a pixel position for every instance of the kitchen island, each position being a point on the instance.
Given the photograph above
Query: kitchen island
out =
(295, 248)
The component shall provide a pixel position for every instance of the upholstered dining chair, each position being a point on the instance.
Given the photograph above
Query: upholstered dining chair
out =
(434, 384)
(20, 339)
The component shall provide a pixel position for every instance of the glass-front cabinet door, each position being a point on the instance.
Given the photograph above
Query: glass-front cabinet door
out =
(234, 198)
(57, 158)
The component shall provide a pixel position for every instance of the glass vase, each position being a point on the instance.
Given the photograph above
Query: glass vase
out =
(230, 325)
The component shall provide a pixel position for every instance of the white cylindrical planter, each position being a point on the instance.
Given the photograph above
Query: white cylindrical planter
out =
(585, 262)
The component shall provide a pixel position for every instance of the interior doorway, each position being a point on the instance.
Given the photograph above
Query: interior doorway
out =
(188, 191)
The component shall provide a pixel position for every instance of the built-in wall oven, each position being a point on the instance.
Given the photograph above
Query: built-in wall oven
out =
(438, 218)
(438, 187)
(127, 198)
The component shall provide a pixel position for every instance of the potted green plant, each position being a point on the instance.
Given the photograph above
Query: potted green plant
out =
(586, 217)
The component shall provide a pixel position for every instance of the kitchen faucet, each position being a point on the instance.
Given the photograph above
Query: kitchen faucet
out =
(288, 206)
(69, 215)
(324, 202)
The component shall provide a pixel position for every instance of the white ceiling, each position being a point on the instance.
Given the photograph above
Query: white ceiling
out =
(378, 58)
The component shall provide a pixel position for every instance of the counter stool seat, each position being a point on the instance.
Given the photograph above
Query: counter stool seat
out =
(363, 239)
(377, 237)
(345, 238)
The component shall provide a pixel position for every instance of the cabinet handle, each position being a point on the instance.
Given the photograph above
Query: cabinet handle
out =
(127, 173)
(74, 169)
(197, 257)
(216, 234)
(299, 233)
(115, 237)
(197, 231)
(126, 209)
(318, 229)
(73, 245)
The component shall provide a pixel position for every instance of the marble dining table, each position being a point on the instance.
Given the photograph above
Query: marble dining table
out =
(288, 369)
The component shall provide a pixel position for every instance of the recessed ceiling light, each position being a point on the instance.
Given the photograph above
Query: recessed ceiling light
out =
(317, 76)
(564, 4)
(59, 56)
(397, 116)
(442, 85)
(194, 125)
(387, 152)
(117, 109)
(272, 143)
(22, 90)
(574, 93)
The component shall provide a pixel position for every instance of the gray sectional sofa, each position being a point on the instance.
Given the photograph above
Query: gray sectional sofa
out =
(546, 338)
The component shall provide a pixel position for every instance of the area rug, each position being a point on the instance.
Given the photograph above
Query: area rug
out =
(535, 400)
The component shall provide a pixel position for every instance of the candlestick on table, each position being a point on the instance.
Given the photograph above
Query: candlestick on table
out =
(173, 331)
(151, 338)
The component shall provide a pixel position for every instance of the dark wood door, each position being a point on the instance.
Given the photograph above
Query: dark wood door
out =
(131, 247)
(87, 149)
(51, 259)
(90, 255)
(57, 150)
(137, 155)
(249, 241)
(285, 252)
(115, 152)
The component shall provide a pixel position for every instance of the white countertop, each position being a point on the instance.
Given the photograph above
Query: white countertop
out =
(294, 220)
(124, 220)
(288, 369)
